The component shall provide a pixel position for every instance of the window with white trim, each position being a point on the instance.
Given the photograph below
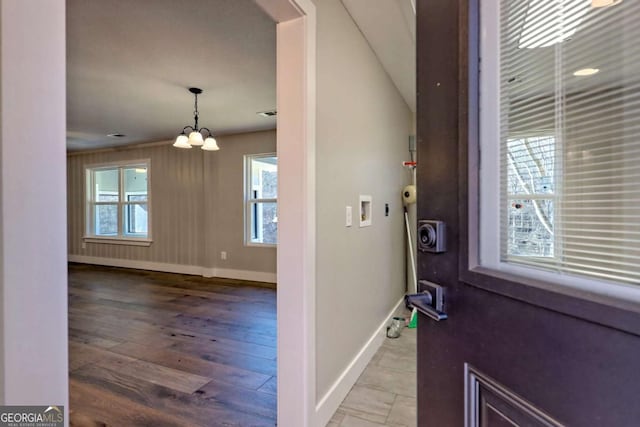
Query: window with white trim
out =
(530, 196)
(560, 139)
(117, 202)
(261, 199)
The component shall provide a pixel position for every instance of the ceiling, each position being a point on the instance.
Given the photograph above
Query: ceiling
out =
(390, 28)
(129, 64)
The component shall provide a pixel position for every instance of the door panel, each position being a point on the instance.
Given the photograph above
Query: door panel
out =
(490, 404)
(576, 371)
(566, 357)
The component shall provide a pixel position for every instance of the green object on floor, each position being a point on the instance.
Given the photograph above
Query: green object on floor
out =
(413, 323)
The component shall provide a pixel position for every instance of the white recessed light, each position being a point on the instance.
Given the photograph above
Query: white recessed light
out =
(586, 72)
(270, 113)
(604, 3)
(541, 22)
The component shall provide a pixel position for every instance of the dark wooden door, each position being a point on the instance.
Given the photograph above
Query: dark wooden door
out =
(512, 351)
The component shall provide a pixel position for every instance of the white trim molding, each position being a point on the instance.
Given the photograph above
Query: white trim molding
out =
(254, 276)
(330, 402)
(117, 241)
(296, 264)
(195, 270)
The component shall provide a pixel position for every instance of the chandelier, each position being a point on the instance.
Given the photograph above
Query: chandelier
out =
(195, 137)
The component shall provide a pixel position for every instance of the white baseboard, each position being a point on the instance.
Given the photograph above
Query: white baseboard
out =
(256, 276)
(330, 402)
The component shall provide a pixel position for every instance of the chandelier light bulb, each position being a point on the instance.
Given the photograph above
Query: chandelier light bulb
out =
(182, 141)
(195, 138)
(210, 144)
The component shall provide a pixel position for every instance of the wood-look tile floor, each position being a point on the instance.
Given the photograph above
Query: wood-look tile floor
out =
(385, 393)
(156, 349)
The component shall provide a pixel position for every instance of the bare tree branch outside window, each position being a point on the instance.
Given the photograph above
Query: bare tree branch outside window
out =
(530, 195)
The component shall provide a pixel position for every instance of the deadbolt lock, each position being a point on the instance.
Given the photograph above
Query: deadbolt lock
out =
(431, 236)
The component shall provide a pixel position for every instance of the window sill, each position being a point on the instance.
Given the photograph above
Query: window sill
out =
(118, 240)
(261, 245)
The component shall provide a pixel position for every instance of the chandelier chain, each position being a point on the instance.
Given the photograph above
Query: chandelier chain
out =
(195, 112)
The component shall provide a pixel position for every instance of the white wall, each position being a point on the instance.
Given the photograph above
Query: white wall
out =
(363, 125)
(196, 208)
(33, 276)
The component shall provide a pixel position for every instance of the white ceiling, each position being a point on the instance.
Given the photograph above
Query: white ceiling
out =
(129, 64)
(390, 28)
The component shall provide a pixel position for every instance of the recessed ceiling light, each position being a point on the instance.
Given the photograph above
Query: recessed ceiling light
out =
(586, 72)
(604, 3)
(116, 135)
(541, 22)
(270, 113)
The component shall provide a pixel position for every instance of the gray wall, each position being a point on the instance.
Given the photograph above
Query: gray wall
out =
(196, 205)
(363, 126)
(227, 202)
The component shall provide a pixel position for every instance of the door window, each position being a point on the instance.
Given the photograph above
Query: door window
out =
(560, 138)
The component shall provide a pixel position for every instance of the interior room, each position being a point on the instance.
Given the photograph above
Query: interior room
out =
(173, 242)
(142, 279)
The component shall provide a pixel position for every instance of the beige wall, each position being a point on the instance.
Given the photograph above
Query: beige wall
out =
(226, 200)
(196, 205)
(363, 125)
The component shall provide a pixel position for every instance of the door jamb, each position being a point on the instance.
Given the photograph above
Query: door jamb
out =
(296, 67)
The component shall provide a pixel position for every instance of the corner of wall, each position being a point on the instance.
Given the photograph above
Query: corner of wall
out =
(329, 403)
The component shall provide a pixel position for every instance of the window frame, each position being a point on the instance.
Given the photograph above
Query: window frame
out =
(251, 202)
(89, 204)
(485, 251)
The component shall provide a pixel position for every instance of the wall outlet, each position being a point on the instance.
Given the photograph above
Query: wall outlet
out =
(365, 210)
(84, 245)
(349, 218)
(223, 255)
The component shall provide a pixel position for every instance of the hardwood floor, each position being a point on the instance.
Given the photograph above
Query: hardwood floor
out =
(157, 349)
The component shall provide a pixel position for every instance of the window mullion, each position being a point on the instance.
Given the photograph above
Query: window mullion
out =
(263, 200)
(121, 202)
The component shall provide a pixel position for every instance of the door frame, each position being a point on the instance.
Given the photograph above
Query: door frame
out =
(296, 139)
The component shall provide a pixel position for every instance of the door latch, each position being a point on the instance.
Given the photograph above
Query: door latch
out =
(430, 301)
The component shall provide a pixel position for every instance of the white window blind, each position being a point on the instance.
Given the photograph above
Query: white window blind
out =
(570, 136)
